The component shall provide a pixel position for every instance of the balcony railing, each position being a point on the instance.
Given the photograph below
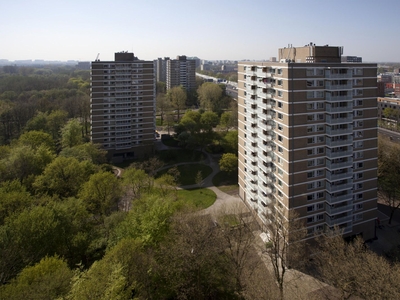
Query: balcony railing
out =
(337, 221)
(332, 176)
(331, 154)
(329, 86)
(341, 142)
(329, 97)
(348, 74)
(337, 199)
(331, 120)
(337, 165)
(339, 187)
(339, 131)
(340, 209)
(339, 109)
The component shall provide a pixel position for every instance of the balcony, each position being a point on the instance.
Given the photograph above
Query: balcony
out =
(340, 142)
(339, 131)
(338, 187)
(331, 120)
(342, 153)
(335, 87)
(348, 163)
(332, 199)
(336, 221)
(339, 74)
(347, 97)
(344, 174)
(339, 109)
(331, 210)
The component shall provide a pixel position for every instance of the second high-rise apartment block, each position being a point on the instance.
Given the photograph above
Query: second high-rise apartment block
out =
(308, 139)
(181, 72)
(122, 106)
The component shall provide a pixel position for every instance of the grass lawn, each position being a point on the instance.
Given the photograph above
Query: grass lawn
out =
(228, 183)
(198, 198)
(175, 156)
(189, 172)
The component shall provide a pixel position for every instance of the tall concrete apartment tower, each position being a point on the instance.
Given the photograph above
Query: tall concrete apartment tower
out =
(181, 71)
(308, 139)
(122, 106)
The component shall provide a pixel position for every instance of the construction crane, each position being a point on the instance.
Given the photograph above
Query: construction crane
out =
(97, 57)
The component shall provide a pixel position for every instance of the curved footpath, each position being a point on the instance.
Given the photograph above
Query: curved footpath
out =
(224, 201)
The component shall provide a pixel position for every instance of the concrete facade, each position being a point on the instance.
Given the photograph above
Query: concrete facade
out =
(308, 139)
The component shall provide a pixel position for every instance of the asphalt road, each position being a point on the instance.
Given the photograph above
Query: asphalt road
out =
(231, 92)
(394, 136)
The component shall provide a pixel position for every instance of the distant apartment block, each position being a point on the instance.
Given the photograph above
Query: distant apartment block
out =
(122, 105)
(308, 139)
(161, 69)
(181, 71)
(385, 102)
(351, 59)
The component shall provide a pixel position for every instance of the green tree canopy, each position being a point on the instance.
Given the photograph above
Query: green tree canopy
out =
(64, 177)
(228, 163)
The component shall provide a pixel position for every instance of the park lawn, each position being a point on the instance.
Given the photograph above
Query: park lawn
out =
(227, 183)
(197, 198)
(175, 156)
(189, 172)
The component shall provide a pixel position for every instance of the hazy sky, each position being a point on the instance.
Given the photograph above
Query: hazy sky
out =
(208, 29)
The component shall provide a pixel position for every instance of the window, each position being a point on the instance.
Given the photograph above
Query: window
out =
(310, 95)
(320, 206)
(310, 72)
(358, 217)
(320, 217)
(320, 116)
(280, 149)
(311, 151)
(320, 83)
(320, 105)
(320, 139)
(359, 175)
(320, 128)
(310, 197)
(310, 174)
(280, 161)
(320, 161)
(359, 144)
(280, 104)
(319, 94)
(310, 219)
(310, 83)
(279, 71)
(280, 194)
(280, 172)
(280, 182)
(358, 186)
(359, 165)
(280, 93)
(280, 82)
(319, 72)
(280, 116)
(280, 138)
(311, 163)
(310, 208)
(320, 195)
(358, 206)
(280, 127)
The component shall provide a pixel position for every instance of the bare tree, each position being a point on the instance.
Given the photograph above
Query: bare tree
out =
(354, 270)
(286, 246)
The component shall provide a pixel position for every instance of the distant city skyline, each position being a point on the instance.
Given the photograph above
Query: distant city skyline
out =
(211, 30)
